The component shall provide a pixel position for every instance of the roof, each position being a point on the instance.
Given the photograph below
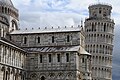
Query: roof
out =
(7, 2)
(10, 44)
(54, 49)
(47, 30)
(85, 52)
(100, 4)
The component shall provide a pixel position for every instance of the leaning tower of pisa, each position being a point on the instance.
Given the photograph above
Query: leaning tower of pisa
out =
(99, 30)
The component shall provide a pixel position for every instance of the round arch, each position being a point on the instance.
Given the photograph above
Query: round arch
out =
(42, 78)
(14, 24)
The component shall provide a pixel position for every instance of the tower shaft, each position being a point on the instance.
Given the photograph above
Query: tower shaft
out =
(99, 30)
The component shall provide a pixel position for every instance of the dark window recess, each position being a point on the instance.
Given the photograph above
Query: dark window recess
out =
(25, 40)
(50, 57)
(83, 60)
(104, 27)
(68, 38)
(67, 57)
(38, 40)
(53, 39)
(58, 57)
(100, 11)
(42, 78)
(41, 58)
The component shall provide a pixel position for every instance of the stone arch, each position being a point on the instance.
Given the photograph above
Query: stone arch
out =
(2, 9)
(8, 69)
(6, 10)
(42, 78)
(14, 24)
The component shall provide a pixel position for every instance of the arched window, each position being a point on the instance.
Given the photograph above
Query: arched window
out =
(5, 10)
(53, 39)
(42, 78)
(100, 10)
(50, 57)
(58, 57)
(25, 40)
(14, 24)
(68, 38)
(92, 26)
(83, 60)
(67, 57)
(41, 58)
(38, 40)
(104, 27)
(8, 10)
(2, 9)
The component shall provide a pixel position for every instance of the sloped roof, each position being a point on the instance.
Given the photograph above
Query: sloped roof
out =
(47, 30)
(54, 49)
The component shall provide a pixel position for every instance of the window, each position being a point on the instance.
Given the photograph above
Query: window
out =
(38, 40)
(52, 39)
(58, 57)
(5, 10)
(67, 57)
(104, 15)
(83, 60)
(14, 25)
(41, 59)
(68, 38)
(100, 11)
(50, 57)
(104, 27)
(25, 40)
(2, 9)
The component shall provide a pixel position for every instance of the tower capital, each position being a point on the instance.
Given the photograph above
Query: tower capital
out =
(100, 10)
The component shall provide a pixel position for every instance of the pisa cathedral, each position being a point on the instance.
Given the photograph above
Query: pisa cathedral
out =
(69, 53)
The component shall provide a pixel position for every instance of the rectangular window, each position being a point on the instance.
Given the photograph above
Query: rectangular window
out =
(58, 57)
(41, 58)
(38, 40)
(67, 57)
(53, 39)
(50, 57)
(25, 40)
(68, 38)
(83, 60)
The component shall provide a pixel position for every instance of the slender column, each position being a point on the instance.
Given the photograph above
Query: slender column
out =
(1, 74)
(4, 75)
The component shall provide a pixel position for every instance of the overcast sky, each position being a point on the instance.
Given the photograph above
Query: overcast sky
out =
(48, 13)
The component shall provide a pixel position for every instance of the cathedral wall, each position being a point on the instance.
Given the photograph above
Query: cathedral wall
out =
(44, 39)
(63, 65)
